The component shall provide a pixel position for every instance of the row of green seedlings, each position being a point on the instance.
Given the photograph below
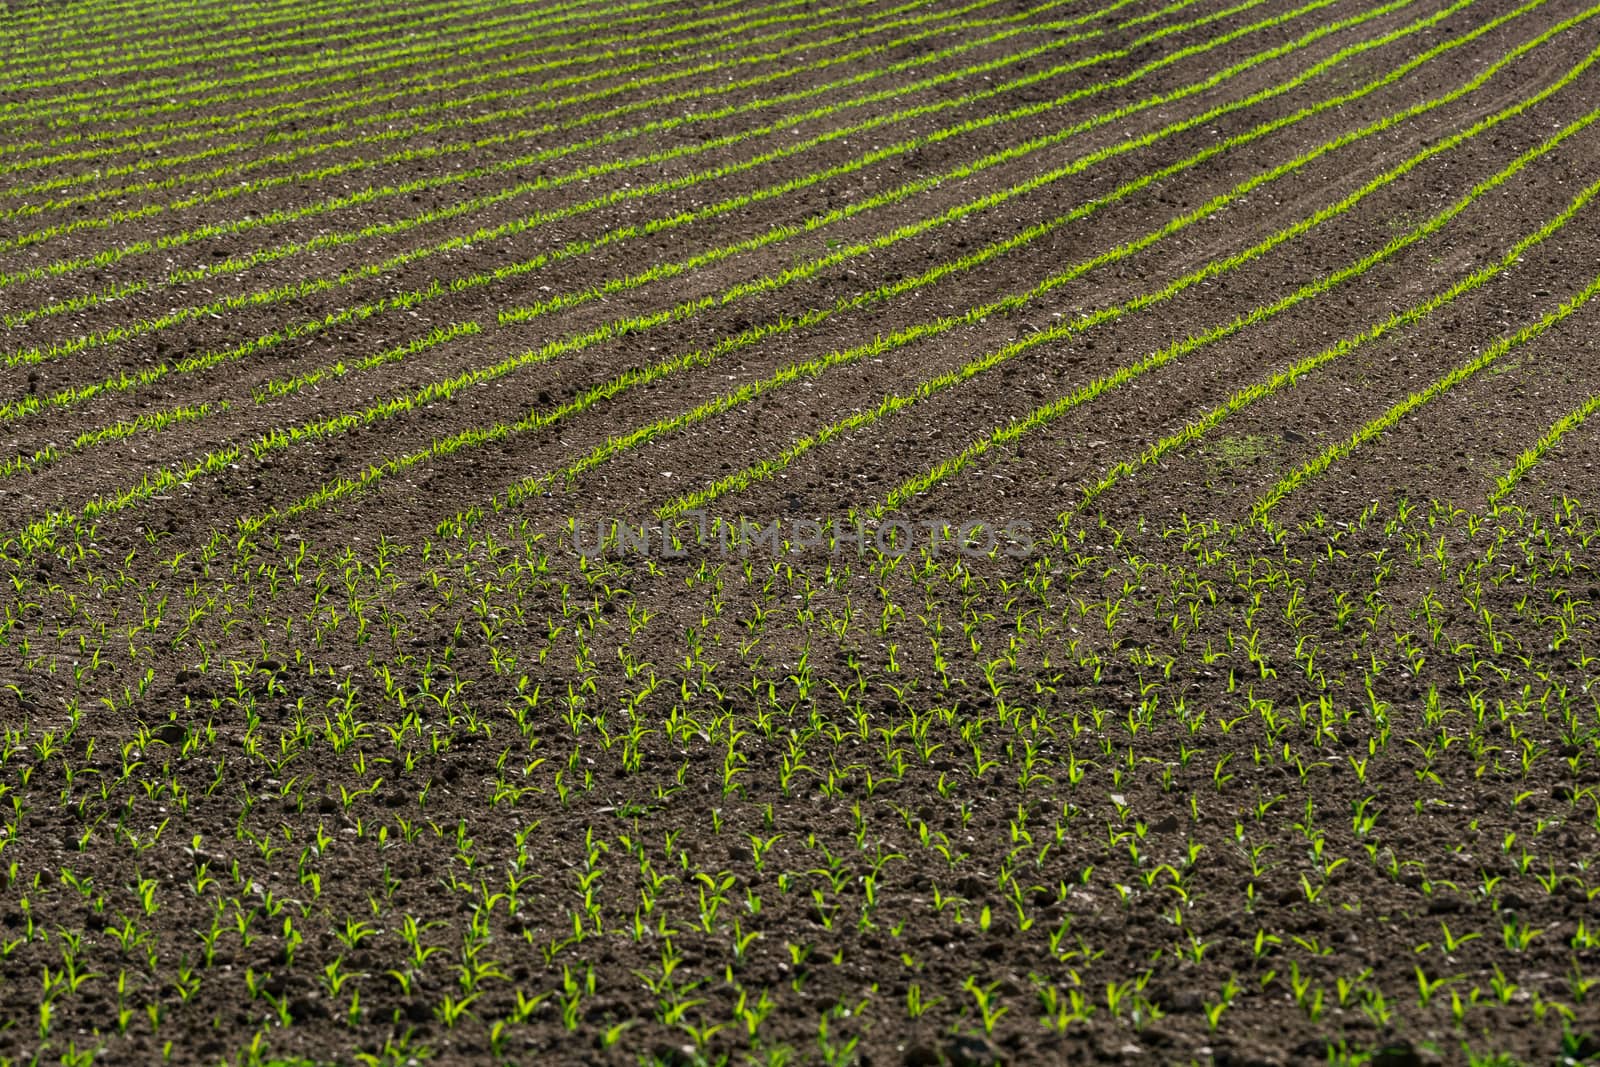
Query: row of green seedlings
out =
(471, 206)
(77, 35)
(612, 387)
(444, 105)
(1550, 439)
(356, 38)
(896, 402)
(683, 311)
(413, 156)
(479, 435)
(328, 105)
(1246, 396)
(125, 381)
(390, 131)
(475, 205)
(274, 389)
(74, 108)
(432, 88)
(621, 443)
(1375, 427)
(254, 38)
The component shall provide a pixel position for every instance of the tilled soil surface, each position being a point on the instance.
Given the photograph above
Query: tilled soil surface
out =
(800, 532)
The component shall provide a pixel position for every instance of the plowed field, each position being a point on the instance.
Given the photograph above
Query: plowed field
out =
(823, 531)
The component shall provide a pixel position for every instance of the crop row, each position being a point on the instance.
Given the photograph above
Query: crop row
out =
(473, 205)
(942, 22)
(97, 105)
(311, 30)
(536, 484)
(1244, 397)
(429, 84)
(442, 91)
(500, 274)
(756, 334)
